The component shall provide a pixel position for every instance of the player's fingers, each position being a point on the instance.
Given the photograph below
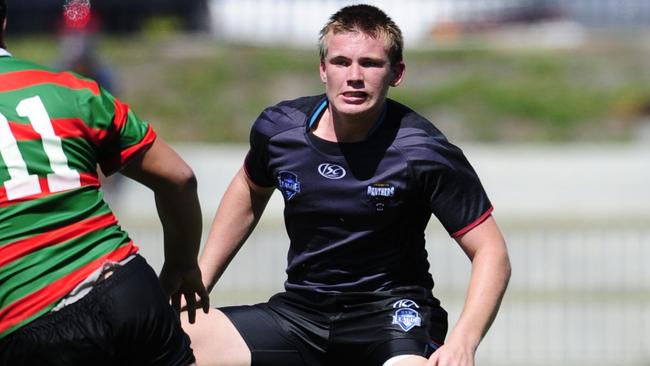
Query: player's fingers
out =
(205, 300)
(176, 301)
(165, 284)
(183, 304)
(433, 360)
(190, 298)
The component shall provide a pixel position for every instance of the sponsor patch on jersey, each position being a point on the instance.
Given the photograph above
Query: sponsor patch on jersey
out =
(331, 171)
(288, 184)
(379, 193)
(405, 314)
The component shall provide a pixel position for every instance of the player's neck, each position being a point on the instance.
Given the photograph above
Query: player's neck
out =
(337, 127)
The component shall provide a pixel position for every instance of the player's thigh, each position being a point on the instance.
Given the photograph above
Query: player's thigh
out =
(215, 340)
(145, 328)
(406, 360)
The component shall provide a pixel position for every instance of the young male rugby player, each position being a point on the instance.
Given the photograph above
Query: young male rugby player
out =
(361, 175)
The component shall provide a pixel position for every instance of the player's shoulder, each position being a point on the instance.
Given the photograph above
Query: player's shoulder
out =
(414, 129)
(286, 115)
(27, 73)
(14, 64)
(417, 137)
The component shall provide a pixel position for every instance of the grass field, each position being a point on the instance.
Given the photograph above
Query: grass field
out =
(194, 88)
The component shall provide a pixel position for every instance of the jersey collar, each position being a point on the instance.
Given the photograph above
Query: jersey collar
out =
(318, 111)
(4, 53)
(315, 115)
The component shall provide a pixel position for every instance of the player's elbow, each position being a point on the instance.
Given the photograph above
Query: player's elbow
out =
(507, 269)
(505, 265)
(174, 183)
(184, 179)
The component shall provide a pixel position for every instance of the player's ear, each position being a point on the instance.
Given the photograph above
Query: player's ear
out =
(323, 75)
(398, 73)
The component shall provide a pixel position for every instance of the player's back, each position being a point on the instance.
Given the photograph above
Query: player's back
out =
(55, 227)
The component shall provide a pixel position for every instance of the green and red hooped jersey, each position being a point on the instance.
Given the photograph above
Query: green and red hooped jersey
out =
(55, 228)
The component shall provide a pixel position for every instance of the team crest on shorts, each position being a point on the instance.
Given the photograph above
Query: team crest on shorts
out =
(405, 316)
(288, 184)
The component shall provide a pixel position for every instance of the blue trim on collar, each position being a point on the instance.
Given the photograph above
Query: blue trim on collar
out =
(317, 112)
(323, 104)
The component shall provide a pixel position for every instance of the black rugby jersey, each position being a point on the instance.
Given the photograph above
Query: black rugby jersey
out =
(356, 213)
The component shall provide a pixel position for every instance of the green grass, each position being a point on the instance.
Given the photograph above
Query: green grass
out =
(198, 89)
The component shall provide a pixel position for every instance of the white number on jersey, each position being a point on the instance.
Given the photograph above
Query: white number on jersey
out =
(22, 183)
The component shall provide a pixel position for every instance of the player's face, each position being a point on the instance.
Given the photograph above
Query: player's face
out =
(357, 73)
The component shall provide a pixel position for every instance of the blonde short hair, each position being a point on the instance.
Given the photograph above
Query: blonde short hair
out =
(368, 20)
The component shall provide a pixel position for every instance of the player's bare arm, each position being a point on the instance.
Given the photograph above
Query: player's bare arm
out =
(174, 185)
(239, 211)
(486, 248)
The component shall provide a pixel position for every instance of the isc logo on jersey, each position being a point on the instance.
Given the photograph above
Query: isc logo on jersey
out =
(405, 316)
(331, 171)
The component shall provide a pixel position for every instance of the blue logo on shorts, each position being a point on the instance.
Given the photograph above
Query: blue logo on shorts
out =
(288, 184)
(407, 319)
(405, 316)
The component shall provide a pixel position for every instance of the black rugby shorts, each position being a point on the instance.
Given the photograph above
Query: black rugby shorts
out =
(125, 320)
(341, 329)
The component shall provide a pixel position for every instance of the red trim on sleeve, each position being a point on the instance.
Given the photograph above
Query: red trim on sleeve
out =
(474, 223)
(116, 162)
(146, 142)
(39, 300)
(27, 78)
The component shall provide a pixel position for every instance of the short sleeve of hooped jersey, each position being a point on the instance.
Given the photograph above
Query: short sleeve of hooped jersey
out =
(445, 177)
(123, 136)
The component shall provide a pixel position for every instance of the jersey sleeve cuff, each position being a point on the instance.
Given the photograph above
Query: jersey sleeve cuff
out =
(474, 223)
(126, 155)
(252, 179)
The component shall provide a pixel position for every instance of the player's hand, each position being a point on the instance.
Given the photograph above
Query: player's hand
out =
(185, 286)
(452, 354)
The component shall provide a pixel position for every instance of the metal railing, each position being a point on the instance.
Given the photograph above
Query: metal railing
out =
(578, 295)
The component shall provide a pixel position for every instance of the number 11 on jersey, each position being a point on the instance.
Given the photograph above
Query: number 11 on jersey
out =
(22, 183)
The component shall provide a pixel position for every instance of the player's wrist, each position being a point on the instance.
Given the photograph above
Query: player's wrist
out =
(180, 265)
(468, 338)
